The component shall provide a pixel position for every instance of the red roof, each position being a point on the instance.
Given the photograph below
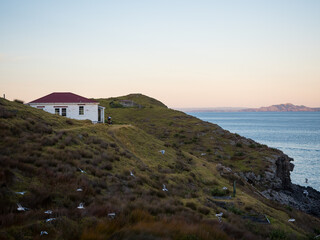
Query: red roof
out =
(63, 97)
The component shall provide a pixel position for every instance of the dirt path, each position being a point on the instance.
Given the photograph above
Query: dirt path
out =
(109, 128)
(114, 128)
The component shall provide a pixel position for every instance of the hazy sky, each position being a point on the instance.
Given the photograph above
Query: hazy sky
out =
(184, 53)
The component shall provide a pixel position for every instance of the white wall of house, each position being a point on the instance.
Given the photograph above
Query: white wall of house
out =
(72, 110)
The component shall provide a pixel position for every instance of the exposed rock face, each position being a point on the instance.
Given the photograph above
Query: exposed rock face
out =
(223, 170)
(276, 177)
(284, 167)
(283, 191)
(278, 174)
(296, 198)
(276, 185)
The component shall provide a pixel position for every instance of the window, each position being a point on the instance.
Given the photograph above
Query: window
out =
(63, 112)
(81, 110)
(57, 111)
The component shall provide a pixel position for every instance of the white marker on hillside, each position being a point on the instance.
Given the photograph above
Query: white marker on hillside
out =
(20, 208)
(164, 188)
(81, 206)
(21, 193)
(43, 233)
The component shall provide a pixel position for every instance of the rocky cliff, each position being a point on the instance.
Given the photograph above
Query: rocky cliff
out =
(276, 177)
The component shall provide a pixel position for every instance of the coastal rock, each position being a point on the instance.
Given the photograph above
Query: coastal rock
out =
(284, 167)
(222, 169)
(280, 188)
(276, 177)
(295, 198)
(250, 177)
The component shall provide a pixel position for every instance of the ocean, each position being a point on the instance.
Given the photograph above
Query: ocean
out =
(297, 134)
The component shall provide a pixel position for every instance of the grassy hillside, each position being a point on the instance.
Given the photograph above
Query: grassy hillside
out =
(43, 154)
(187, 133)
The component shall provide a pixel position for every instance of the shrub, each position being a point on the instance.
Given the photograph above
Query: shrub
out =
(235, 210)
(6, 113)
(41, 128)
(181, 166)
(289, 208)
(94, 140)
(16, 131)
(278, 234)
(160, 194)
(85, 153)
(69, 229)
(113, 145)
(204, 210)
(96, 160)
(239, 154)
(69, 121)
(18, 101)
(47, 141)
(115, 104)
(104, 144)
(191, 205)
(69, 140)
(106, 166)
(139, 215)
(219, 192)
(239, 145)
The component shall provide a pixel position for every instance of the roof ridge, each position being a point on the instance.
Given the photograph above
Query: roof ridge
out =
(63, 97)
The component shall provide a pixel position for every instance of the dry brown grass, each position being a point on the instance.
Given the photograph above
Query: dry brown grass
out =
(141, 225)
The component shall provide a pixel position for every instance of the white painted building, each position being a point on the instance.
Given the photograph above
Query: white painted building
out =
(70, 105)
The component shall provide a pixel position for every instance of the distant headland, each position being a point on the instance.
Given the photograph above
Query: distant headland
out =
(287, 107)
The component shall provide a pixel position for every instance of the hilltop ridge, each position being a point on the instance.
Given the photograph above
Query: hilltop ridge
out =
(124, 171)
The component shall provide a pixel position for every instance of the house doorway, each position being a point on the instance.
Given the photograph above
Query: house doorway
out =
(99, 115)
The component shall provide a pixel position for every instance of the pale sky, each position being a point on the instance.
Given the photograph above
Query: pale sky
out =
(226, 53)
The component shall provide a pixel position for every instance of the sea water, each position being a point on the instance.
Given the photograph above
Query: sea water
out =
(297, 134)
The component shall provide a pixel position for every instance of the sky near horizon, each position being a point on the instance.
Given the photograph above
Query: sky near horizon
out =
(184, 53)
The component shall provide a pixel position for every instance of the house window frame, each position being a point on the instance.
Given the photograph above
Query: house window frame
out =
(57, 111)
(81, 110)
(64, 112)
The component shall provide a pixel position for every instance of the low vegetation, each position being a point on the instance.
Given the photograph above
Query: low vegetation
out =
(121, 172)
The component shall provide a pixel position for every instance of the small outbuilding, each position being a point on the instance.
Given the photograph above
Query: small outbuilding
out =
(70, 105)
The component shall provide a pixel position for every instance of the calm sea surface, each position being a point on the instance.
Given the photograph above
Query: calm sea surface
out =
(297, 134)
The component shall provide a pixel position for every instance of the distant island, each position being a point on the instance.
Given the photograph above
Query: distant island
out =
(287, 107)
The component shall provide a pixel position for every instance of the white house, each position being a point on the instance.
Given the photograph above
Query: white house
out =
(70, 105)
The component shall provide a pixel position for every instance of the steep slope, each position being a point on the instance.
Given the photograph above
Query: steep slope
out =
(267, 169)
(43, 155)
(261, 165)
